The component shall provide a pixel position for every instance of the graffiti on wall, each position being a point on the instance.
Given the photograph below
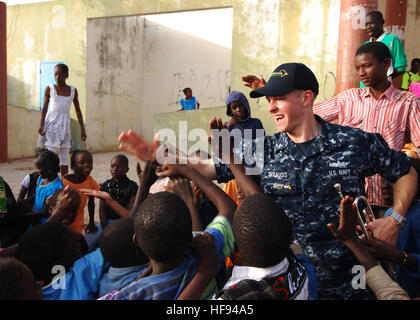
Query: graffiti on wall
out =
(210, 89)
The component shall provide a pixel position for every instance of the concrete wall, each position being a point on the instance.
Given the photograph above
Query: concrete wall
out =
(22, 135)
(114, 79)
(175, 59)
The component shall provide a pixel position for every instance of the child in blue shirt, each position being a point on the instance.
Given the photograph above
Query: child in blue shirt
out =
(48, 165)
(189, 102)
(52, 253)
(163, 229)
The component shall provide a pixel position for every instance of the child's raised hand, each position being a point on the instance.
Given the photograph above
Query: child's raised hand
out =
(207, 256)
(346, 231)
(171, 170)
(69, 198)
(138, 146)
(182, 187)
(222, 146)
(253, 82)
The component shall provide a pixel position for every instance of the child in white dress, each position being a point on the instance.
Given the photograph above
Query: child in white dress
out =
(55, 116)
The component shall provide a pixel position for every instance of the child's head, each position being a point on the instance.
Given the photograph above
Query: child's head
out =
(17, 281)
(61, 73)
(45, 246)
(237, 105)
(187, 92)
(81, 162)
(48, 164)
(119, 166)
(415, 65)
(163, 227)
(262, 231)
(117, 245)
(71, 209)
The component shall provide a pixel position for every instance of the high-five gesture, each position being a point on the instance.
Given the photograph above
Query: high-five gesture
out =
(138, 146)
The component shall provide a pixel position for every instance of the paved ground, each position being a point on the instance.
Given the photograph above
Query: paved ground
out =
(14, 171)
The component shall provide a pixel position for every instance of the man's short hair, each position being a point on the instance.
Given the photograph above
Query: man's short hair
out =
(262, 231)
(163, 226)
(378, 49)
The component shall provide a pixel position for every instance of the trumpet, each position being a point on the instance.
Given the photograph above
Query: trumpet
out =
(364, 215)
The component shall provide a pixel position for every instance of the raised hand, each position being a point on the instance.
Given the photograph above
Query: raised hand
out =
(172, 170)
(346, 231)
(253, 82)
(222, 147)
(182, 187)
(138, 146)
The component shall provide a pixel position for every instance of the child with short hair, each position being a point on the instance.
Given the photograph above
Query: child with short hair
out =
(189, 102)
(82, 163)
(55, 116)
(163, 229)
(127, 261)
(17, 281)
(270, 269)
(51, 245)
(120, 187)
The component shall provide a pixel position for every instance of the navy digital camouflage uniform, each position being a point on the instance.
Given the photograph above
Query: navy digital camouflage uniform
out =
(303, 185)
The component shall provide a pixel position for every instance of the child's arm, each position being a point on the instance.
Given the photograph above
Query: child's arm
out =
(245, 182)
(79, 115)
(207, 267)
(144, 150)
(120, 210)
(22, 194)
(346, 233)
(224, 204)
(91, 228)
(182, 187)
(102, 214)
(44, 110)
(147, 178)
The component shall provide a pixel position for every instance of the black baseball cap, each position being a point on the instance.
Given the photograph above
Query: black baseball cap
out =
(286, 78)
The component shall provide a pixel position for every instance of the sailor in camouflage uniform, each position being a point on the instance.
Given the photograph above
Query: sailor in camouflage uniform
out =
(298, 167)
(301, 179)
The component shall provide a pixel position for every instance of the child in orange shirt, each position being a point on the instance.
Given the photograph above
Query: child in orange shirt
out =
(82, 163)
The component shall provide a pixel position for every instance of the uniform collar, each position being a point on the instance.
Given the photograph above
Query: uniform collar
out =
(325, 140)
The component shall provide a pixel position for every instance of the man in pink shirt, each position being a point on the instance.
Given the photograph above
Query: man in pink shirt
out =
(378, 108)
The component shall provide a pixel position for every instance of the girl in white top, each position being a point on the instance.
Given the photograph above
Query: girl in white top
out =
(55, 116)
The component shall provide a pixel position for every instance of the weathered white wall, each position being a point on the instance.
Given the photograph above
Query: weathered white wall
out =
(189, 49)
(114, 79)
(137, 67)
